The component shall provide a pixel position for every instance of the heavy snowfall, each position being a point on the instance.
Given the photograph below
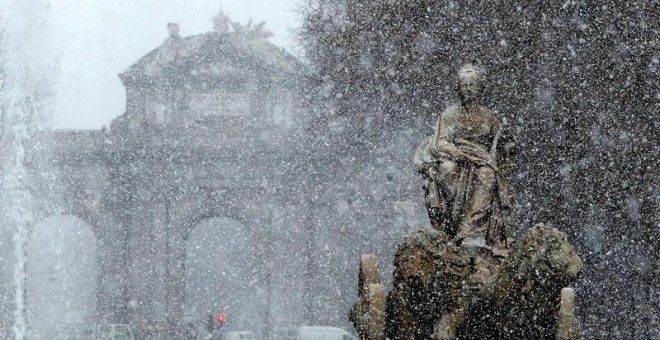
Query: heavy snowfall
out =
(232, 195)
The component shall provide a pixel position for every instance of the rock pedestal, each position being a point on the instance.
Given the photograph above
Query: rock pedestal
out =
(472, 291)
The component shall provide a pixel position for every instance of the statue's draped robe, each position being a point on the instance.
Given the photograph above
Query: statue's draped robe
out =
(474, 132)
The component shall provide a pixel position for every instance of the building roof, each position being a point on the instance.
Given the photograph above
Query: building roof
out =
(212, 54)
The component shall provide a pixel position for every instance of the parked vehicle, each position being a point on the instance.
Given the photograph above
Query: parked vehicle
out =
(239, 335)
(114, 332)
(75, 331)
(323, 333)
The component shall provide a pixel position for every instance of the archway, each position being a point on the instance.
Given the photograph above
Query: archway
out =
(222, 275)
(61, 276)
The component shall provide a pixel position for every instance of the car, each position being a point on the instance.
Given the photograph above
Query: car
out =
(239, 335)
(114, 332)
(323, 333)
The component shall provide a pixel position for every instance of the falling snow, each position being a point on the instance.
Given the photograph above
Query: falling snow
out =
(244, 180)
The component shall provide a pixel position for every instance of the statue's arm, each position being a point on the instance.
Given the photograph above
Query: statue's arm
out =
(443, 137)
(442, 141)
(422, 158)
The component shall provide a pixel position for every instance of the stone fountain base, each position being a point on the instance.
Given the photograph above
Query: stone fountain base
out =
(472, 291)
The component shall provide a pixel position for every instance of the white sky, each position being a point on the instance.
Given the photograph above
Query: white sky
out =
(94, 40)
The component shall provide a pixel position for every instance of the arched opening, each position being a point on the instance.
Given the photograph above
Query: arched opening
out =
(61, 277)
(222, 275)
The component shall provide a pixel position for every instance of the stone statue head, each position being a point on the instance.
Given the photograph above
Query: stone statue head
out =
(470, 83)
(173, 28)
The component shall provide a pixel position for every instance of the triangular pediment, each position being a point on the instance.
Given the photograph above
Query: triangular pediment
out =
(211, 55)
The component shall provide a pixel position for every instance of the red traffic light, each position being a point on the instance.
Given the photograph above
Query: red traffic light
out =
(220, 318)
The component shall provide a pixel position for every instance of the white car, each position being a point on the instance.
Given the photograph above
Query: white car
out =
(239, 335)
(323, 333)
(114, 332)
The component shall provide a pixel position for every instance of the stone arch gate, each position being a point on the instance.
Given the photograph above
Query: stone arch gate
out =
(145, 192)
(210, 131)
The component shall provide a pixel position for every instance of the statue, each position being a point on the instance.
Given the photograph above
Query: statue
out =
(466, 163)
(467, 276)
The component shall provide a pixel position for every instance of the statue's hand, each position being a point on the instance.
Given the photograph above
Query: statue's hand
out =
(432, 170)
(454, 152)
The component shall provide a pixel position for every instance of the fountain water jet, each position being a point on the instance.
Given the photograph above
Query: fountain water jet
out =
(17, 200)
(21, 93)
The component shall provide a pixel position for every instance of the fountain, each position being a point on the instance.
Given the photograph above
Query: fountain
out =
(21, 91)
(468, 276)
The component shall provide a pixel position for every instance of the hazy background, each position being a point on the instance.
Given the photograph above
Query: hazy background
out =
(95, 40)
